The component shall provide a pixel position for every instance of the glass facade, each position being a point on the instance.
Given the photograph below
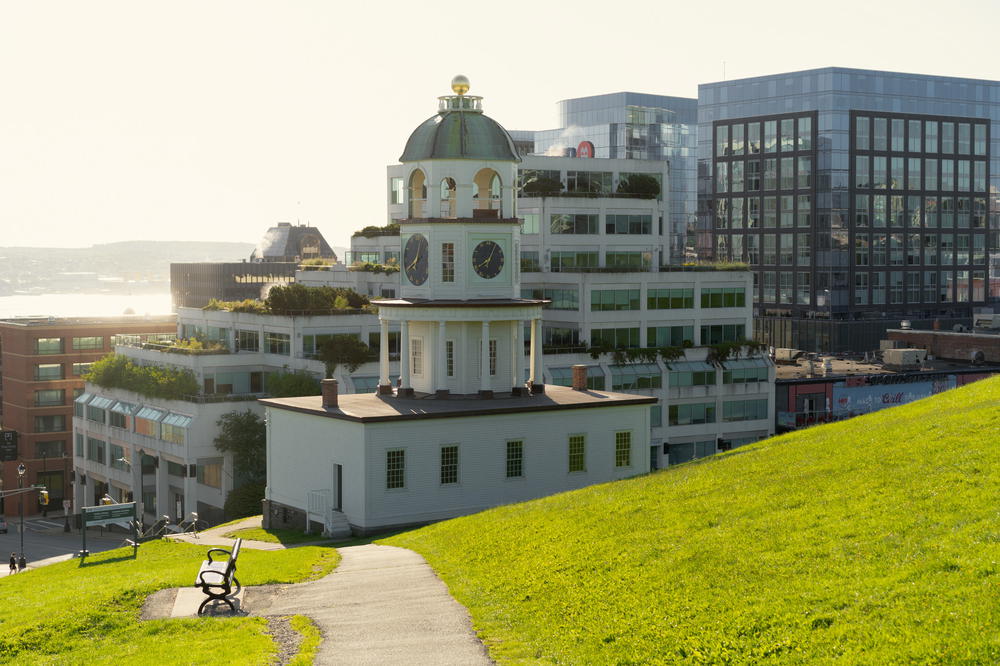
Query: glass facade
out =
(870, 197)
(637, 126)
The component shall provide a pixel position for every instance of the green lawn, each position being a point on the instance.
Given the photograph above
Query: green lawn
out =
(286, 537)
(68, 613)
(875, 540)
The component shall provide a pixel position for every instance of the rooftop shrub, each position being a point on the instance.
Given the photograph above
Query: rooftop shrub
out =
(154, 381)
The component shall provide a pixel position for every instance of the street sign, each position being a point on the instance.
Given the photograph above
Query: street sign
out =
(8, 445)
(105, 515)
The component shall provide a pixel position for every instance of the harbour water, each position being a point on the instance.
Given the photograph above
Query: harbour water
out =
(83, 305)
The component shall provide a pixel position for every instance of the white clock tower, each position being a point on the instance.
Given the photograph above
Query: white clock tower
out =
(460, 314)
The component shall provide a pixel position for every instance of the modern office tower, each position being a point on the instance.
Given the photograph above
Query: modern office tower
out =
(44, 360)
(859, 198)
(634, 126)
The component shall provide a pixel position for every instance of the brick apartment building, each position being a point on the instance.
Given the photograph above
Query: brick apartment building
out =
(42, 361)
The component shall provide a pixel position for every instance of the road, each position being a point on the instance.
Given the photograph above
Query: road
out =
(44, 540)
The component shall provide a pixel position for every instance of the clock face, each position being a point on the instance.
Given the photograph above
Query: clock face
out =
(415, 259)
(487, 259)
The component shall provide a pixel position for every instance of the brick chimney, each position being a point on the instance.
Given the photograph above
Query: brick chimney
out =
(579, 377)
(329, 390)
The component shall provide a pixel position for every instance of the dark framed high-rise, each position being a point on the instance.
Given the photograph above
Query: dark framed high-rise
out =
(901, 186)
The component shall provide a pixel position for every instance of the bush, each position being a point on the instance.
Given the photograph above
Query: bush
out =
(116, 371)
(250, 305)
(292, 384)
(244, 501)
(640, 184)
(298, 299)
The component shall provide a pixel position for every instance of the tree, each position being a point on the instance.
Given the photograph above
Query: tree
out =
(542, 186)
(292, 384)
(243, 435)
(342, 349)
(642, 184)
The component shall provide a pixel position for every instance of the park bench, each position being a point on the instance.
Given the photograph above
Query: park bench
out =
(217, 578)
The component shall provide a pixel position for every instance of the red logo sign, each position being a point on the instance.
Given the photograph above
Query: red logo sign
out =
(585, 149)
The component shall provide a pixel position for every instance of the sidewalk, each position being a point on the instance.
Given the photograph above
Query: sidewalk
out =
(382, 605)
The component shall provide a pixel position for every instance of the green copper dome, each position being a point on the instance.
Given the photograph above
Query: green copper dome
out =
(459, 132)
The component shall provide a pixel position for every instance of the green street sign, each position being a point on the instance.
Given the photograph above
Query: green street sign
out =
(111, 513)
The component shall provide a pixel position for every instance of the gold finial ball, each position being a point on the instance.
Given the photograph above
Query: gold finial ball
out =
(460, 84)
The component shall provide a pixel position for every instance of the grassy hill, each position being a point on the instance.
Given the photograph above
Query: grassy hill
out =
(875, 540)
(88, 612)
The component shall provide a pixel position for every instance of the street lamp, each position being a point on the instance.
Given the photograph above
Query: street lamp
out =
(21, 469)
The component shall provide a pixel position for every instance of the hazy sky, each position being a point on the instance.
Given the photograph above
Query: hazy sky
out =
(213, 120)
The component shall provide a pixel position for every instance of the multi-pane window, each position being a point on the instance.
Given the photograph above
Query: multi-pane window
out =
(117, 457)
(703, 376)
(602, 300)
(248, 341)
(561, 299)
(493, 357)
(615, 338)
(209, 472)
(628, 224)
(447, 262)
(50, 423)
(639, 260)
(51, 449)
(703, 412)
(515, 459)
(718, 333)
(669, 299)
(636, 376)
(48, 371)
(398, 191)
(723, 297)
(591, 182)
(530, 223)
(449, 464)
(744, 410)
(573, 224)
(277, 343)
(50, 397)
(669, 336)
(449, 357)
(744, 375)
(568, 261)
(45, 346)
(96, 450)
(80, 369)
(577, 453)
(530, 262)
(89, 343)
(417, 356)
(395, 469)
(623, 449)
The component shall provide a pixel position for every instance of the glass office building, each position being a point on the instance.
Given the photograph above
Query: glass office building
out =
(630, 125)
(859, 198)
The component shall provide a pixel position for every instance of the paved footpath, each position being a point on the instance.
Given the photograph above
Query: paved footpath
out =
(381, 605)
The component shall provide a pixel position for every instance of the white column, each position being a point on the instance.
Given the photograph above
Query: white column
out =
(537, 346)
(533, 353)
(484, 360)
(163, 499)
(404, 354)
(383, 352)
(190, 494)
(136, 461)
(517, 354)
(441, 367)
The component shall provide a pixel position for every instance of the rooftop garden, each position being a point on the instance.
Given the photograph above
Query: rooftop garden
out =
(873, 540)
(155, 381)
(300, 300)
(391, 229)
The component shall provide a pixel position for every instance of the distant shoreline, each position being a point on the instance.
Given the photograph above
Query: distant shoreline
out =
(84, 304)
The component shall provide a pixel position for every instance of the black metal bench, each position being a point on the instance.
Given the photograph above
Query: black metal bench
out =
(217, 578)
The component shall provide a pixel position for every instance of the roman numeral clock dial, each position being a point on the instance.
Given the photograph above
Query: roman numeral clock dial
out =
(415, 259)
(487, 259)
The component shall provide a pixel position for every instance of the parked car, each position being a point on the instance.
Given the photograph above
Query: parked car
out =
(3, 525)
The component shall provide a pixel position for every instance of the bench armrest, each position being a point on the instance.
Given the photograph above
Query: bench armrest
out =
(218, 550)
